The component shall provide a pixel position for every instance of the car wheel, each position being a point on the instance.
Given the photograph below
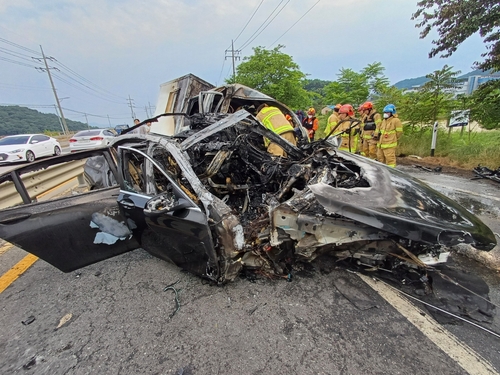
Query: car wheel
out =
(30, 156)
(57, 151)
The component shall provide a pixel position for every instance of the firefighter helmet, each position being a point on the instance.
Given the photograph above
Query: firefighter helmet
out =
(311, 111)
(367, 106)
(347, 109)
(390, 108)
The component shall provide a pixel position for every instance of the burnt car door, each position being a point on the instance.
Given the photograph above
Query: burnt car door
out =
(54, 210)
(161, 213)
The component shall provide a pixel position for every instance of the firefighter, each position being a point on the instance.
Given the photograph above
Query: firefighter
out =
(333, 120)
(389, 133)
(274, 120)
(311, 123)
(371, 123)
(348, 129)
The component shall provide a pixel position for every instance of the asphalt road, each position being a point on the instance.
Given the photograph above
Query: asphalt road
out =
(116, 318)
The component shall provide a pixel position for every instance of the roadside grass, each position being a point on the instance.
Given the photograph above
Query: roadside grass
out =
(465, 151)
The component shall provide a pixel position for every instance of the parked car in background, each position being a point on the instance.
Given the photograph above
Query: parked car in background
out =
(120, 128)
(27, 147)
(88, 139)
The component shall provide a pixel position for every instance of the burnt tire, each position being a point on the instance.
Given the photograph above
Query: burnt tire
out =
(30, 156)
(57, 151)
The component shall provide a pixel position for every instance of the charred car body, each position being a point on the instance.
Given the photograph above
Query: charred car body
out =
(207, 196)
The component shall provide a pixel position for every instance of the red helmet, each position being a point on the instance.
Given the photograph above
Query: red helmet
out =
(347, 109)
(367, 105)
(311, 111)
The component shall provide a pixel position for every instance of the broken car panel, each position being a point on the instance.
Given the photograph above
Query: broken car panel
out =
(209, 198)
(74, 230)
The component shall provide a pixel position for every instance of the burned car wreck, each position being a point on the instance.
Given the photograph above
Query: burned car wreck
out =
(212, 200)
(263, 212)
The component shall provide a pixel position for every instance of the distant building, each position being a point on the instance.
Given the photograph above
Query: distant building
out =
(474, 81)
(467, 85)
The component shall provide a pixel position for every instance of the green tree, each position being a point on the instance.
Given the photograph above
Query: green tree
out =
(274, 73)
(389, 95)
(355, 88)
(376, 79)
(457, 20)
(316, 89)
(485, 103)
(22, 120)
(438, 91)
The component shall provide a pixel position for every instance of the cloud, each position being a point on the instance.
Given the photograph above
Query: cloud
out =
(131, 46)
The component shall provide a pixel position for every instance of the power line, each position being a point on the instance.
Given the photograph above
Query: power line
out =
(81, 83)
(85, 79)
(16, 54)
(85, 91)
(244, 27)
(17, 62)
(294, 23)
(100, 116)
(21, 87)
(52, 59)
(250, 40)
(20, 47)
(221, 69)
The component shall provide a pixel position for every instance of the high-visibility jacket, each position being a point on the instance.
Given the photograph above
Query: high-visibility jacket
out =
(390, 131)
(333, 120)
(274, 120)
(371, 125)
(349, 140)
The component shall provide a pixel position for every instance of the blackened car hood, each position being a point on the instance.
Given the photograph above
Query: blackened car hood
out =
(402, 205)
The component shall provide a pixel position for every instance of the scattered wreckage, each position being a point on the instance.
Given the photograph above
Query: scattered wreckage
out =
(210, 199)
(485, 172)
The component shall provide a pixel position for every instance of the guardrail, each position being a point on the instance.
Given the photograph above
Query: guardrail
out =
(44, 184)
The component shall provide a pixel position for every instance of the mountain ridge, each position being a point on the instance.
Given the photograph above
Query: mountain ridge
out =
(418, 81)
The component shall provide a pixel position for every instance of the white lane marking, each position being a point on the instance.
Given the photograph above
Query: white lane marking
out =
(461, 353)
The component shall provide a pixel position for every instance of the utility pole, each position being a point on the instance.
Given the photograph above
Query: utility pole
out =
(109, 121)
(47, 69)
(87, 120)
(151, 109)
(234, 56)
(147, 113)
(130, 104)
(59, 118)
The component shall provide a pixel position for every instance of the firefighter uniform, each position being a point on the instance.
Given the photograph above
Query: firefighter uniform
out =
(274, 120)
(389, 133)
(348, 131)
(333, 120)
(369, 130)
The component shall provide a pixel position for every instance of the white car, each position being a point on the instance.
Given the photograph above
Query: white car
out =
(27, 147)
(88, 139)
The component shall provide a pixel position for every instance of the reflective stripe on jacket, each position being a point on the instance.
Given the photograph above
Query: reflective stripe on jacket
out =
(333, 120)
(373, 121)
(349, 141)
(390, 131)
(274, 120)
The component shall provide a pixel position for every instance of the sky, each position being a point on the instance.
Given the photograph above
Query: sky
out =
(107, 54)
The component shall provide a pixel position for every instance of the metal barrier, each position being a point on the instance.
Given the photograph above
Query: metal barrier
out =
(44, 184)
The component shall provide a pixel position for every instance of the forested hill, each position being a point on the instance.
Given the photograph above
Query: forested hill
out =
(22, 120)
